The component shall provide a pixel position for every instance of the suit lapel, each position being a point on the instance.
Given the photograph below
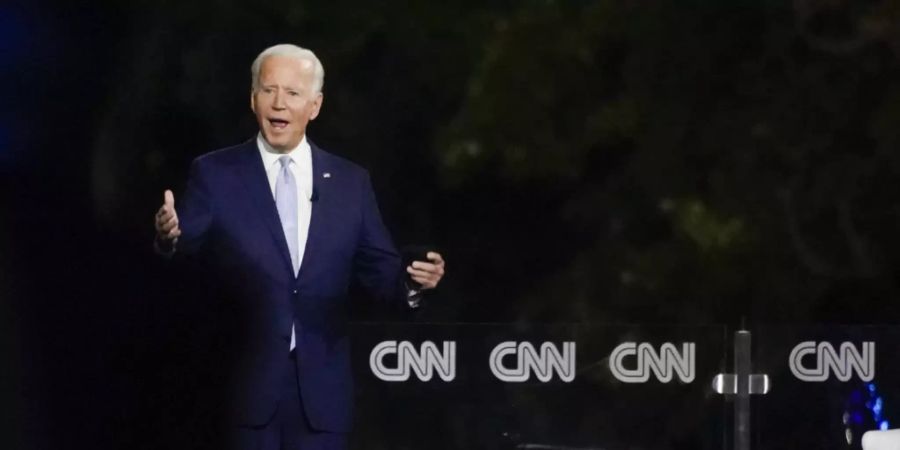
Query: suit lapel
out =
(254, 176)
(317, 225)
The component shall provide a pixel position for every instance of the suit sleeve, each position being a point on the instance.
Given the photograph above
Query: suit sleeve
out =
(377, 263)
(195, 212)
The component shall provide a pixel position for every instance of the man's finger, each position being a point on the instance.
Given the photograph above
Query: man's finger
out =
(164, 215)
(171, 231)
(173, 221)
(160, 223)
(421, 273)
(169, 224)
(423, 265)
(425, 282)
(436, 258)
(416, 272)
(428, 267)
(166, 219)
(169, 199)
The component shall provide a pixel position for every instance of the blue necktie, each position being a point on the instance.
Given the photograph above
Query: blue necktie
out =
(286, 201)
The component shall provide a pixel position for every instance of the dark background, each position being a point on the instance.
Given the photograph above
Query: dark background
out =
(574, 161)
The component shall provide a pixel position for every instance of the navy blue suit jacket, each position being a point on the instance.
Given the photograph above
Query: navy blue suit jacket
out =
(229, 215)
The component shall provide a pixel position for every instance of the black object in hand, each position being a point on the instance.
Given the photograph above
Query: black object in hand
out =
(412, 253)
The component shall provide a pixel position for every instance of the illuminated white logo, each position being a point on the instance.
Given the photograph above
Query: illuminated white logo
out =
(843, 363)
(528, 359)
(424, 362)
(665, 364)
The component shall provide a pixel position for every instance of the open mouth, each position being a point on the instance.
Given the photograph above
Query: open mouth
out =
(278, 123)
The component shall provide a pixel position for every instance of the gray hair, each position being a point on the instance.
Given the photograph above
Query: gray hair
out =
(291, 51)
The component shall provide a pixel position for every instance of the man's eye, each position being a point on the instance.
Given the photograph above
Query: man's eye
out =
(294, 93)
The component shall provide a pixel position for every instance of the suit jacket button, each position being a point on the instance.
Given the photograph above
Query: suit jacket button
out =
(295, 292)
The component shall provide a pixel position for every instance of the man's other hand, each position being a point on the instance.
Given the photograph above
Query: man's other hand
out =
(167, 230)
(427, 274)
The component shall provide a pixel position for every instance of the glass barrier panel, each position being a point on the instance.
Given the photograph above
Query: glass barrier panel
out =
(477, 386)
(828, 385)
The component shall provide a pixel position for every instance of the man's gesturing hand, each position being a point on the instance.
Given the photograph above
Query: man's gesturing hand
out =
(427, 274)
(167, 230)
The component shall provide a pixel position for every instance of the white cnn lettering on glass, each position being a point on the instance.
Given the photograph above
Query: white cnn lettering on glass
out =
(424, 363)
(826, 360)
(528, 360)
(644, 360)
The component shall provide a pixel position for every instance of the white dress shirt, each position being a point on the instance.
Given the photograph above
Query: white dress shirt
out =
(301, 167)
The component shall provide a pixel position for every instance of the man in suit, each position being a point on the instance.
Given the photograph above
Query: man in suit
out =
(286, 226)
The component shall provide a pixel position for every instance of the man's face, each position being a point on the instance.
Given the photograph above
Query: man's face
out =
(284, 101)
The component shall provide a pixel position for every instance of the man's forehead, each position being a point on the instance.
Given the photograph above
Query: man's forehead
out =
(279, 61)
(288, 72)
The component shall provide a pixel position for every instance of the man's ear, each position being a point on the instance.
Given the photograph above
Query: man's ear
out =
(317, 105)
(253, 100)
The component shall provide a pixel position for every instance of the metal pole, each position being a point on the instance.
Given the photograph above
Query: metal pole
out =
(742, 397)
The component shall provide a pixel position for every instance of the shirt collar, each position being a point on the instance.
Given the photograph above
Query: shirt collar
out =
(298, 154)
(301, 155)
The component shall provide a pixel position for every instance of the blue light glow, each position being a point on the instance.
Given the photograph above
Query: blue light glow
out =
(864, 410)
(14, 44)
(12, 36)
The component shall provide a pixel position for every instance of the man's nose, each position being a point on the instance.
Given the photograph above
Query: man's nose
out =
(278, 102)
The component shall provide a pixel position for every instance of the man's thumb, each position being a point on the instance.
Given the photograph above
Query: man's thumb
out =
(169, 198)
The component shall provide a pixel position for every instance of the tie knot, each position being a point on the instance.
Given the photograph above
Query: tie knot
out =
(284, 160)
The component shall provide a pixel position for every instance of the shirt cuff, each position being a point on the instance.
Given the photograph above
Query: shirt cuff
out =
(413, 297)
